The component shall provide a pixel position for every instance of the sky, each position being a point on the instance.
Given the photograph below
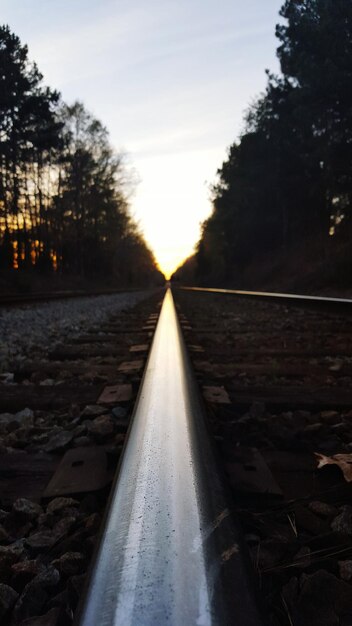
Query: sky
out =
(169, 79)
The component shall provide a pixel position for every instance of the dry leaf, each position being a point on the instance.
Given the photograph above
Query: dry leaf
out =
(344, 461)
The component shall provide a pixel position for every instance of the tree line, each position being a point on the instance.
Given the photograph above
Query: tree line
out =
(63, 188)
(288, 179)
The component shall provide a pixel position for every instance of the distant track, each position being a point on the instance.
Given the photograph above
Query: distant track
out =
(334, 304)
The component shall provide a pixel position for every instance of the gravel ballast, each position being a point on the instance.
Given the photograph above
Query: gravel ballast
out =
(25, 330)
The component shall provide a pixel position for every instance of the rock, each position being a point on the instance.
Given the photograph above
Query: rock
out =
(340, 428)
(24, 571)
(74, 588)
(102, 426)
(119, 412)
(93, 410)
(312, 429)
(345, 569)
(330, 417)
(343, 522)
(8, 597)
(59, 442)
(26, 510)
(48, 382)
(93, 522)
(8, 556)
(322, 509)
(12, 553)
(7, 378)
(119, 439)
(59, 504)
(70, 563)
(41, 541)
(25, 417)
(64, 526)
(73, 543)
(323, 599)
(79, 430)
(18, 437)
(6, 418)
(34, 596)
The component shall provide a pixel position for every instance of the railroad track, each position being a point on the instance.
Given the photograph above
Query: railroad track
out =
(201, 483)
(276, 374)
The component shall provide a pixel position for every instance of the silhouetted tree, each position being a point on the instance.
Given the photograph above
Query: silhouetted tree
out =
(289, 176)
(63, 202)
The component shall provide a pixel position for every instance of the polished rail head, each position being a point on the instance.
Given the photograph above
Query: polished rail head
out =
(329, 303)
(169, 552)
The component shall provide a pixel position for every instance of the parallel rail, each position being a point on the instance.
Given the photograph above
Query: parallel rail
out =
(169, 552)
(343, 305)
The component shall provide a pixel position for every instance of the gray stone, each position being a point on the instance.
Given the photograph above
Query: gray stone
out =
(26, 509)
(24, 571)
(59, 504)
(42, 540)
(70, 563)
(6, 418)
(102, 426)
(7, 378)
(312, 429)
(93, 410)
(14, 552)
(119, 412)
(26, 416)
(63, 526)
(34, 596)
(59, 442)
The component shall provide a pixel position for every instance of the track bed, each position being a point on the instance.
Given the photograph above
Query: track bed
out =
(277, 381)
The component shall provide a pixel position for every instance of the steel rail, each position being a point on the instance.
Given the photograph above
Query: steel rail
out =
(328, 303)
(169, 551)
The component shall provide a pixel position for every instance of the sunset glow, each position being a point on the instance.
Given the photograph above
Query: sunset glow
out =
(170, 81)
